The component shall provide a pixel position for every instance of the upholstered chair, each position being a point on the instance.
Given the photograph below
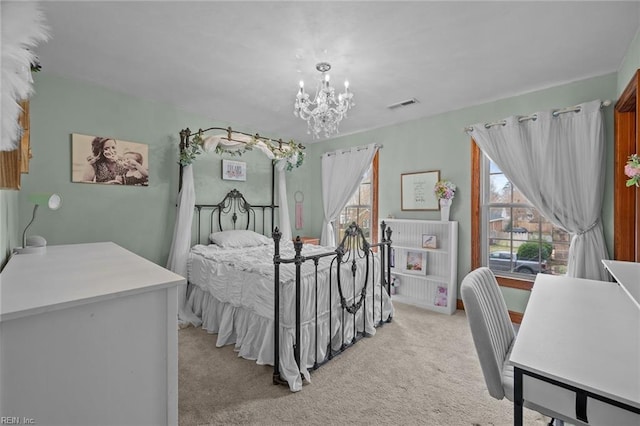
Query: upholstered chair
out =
(494, 336)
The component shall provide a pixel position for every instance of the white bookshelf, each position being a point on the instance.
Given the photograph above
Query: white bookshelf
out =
(431, 279)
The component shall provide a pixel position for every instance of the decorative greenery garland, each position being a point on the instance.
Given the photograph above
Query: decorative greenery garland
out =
(190, 153)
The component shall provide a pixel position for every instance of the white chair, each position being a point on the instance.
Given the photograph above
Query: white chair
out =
(494, 336)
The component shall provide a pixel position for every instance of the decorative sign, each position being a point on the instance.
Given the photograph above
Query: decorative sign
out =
(234, 170)
(416, 190)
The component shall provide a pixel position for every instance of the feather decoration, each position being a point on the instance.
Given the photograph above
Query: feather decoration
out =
(23, 28)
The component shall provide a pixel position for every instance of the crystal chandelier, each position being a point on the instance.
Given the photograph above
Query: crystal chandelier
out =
(324, 113)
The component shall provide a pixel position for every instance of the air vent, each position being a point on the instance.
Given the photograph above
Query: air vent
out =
(403, 103)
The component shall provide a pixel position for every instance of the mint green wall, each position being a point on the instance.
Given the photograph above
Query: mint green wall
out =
(8, 224)
(439, 143)
(141, 219)
(137, 218)
(631, 62)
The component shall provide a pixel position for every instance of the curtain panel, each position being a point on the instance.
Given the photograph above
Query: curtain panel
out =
(558, 162)
(342, 172)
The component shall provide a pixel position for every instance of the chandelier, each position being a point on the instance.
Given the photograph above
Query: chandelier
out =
(324, 113)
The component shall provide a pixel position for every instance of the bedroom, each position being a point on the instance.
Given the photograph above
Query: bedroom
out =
(63, 105)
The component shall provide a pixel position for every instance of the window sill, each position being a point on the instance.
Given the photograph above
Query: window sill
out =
(520, 284)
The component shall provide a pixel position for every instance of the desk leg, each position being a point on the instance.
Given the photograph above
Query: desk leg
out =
(517, 396)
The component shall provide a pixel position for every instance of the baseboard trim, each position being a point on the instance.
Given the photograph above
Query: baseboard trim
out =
(516, 317)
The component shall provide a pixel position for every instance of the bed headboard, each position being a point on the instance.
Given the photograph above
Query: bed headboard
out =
(234, 212)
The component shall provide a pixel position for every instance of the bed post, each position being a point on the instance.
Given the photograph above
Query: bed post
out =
(297, 245)
(383, 270)
(277, 380)
(184, 144)
(389, 254)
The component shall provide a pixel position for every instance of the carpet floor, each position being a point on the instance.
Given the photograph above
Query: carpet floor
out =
(420, 369)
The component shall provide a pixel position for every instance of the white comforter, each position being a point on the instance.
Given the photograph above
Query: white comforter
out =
(234, 295)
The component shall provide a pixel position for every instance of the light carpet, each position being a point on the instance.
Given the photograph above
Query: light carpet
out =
(420, 369)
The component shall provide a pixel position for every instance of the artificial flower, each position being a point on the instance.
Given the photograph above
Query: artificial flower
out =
(444, 190)
(632, 170)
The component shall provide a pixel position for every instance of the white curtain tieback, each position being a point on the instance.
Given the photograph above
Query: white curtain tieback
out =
(593, 225)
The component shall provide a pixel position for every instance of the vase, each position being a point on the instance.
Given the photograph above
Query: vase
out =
(444, 209)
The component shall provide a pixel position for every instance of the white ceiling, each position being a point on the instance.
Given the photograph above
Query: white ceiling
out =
(240, 62)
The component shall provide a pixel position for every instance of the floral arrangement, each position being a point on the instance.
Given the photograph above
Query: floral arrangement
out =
(189, 154)
(632, 170)
(444, 190)
(292, 152)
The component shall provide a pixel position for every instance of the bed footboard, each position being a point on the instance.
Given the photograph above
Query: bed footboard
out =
(359, 275)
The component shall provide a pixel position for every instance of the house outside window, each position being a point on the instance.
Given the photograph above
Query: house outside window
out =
(517, 241)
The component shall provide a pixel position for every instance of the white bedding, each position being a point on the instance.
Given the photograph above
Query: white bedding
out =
(233, 295)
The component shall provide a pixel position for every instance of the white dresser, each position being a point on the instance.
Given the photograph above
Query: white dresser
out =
(88, 336)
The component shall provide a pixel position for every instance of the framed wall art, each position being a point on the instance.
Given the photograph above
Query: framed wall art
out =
(416, 190)
(104, 160)
(234, 170)
(416, 263)
(429, 241)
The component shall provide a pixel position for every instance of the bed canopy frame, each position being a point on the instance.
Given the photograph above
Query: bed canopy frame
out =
(192, 144)
(186, 143)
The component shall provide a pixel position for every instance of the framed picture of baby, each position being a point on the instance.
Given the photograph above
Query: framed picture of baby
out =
(109, 161)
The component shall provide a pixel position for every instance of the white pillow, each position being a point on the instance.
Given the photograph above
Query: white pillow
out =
(238, 239)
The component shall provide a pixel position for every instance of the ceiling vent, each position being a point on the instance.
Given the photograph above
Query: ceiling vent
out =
(408, 102)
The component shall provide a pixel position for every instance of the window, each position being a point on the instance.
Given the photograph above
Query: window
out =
(362, 207)
(510, 236)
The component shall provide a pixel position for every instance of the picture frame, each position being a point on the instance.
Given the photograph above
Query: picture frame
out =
(105, 160)
(415, 262)
(441, 296)
(234, 170)
(416, 190)
(429, 241)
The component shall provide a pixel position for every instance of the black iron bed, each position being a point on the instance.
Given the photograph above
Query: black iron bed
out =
(327, 276)
(356, 275)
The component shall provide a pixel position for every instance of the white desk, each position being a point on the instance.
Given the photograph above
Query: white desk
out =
(581, 337)
(88, 336)
(627, 274)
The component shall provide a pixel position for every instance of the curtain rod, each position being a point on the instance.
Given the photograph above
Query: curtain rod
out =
(359, 148)
(575, 108)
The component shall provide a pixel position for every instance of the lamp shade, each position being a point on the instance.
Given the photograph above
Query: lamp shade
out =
(53, 201)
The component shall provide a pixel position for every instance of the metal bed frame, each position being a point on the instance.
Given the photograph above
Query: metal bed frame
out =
(353, 246)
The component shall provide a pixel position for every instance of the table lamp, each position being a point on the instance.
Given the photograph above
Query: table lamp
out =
(36, 243)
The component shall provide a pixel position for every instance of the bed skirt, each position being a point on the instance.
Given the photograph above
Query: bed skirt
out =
(252, 335)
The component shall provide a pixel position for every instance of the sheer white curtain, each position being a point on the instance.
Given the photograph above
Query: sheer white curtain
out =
(181, 243)
(283, 210)
(342, 172)
(558, 162)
